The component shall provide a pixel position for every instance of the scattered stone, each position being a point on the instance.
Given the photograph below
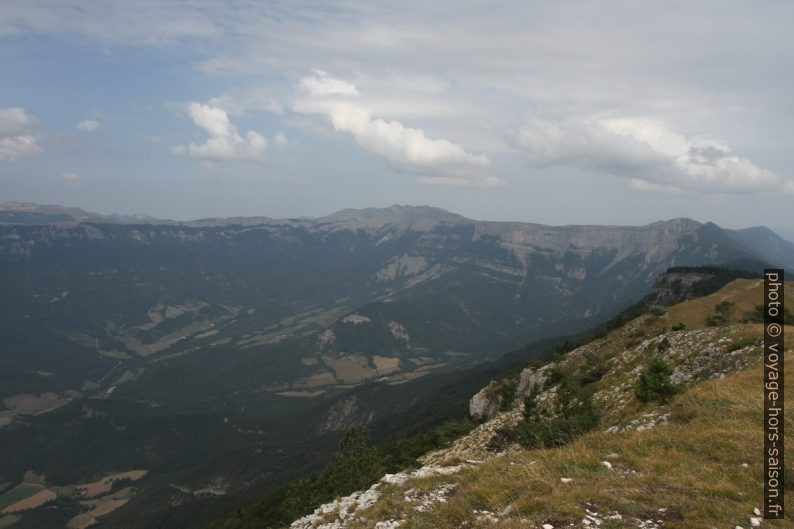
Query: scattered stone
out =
(548, 526)
(424, 501)
(485, 516)
(755, 522)
(757, 511)
(592, 519)
(389, 524)
(607, 464)
(566, 480)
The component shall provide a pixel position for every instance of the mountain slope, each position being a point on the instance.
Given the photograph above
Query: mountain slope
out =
(645, 465)
(767, 244)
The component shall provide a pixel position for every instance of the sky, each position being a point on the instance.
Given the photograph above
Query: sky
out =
(575, 112)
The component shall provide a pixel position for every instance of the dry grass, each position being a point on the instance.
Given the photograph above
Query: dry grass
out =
(745, 294)
(693, 468)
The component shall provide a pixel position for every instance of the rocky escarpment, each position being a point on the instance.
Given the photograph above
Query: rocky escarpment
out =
(501, 395)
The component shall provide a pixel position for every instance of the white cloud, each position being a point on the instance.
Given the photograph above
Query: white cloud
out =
(322, 84)
(650, 155)
(73, 179)
(88, 125)
(406, 149)
(17, 133)
(280, 139)
(224, 142)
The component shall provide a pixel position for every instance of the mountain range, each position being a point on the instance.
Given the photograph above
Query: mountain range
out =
(224, 357)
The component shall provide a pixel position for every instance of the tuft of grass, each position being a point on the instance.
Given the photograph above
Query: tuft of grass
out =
(741, 343)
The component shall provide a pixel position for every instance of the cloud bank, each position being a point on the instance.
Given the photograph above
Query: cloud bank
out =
(17, 133)
(645, 151)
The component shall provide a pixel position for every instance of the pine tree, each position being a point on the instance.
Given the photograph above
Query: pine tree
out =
(654, 383)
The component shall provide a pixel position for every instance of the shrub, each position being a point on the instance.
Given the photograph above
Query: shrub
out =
(715, 320)
(506, 393)
(549, 433)
(654, 383)
(724, 307)
(678, 326)
(741, 343)
(574, 415)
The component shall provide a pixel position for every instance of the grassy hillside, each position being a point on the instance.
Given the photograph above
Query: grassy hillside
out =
(693, 462)
(701, 470)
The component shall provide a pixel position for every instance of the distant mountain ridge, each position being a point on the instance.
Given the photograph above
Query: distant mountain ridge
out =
(762, 241)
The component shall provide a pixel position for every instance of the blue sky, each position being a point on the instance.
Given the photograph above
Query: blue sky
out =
(546, 112)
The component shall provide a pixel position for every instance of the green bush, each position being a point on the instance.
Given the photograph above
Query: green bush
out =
(654, 383)
(741, 343)
(725, 308)
(573, 416)
(715, 320)
(549, 433)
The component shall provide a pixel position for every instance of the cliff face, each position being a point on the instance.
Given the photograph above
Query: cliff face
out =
(377, 294)
(674, 287)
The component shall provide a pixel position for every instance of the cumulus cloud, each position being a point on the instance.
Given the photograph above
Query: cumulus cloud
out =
(73, 179)
(650, 155)
(224, 143)
(17, 133)
(88, 125)
(404, 148)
